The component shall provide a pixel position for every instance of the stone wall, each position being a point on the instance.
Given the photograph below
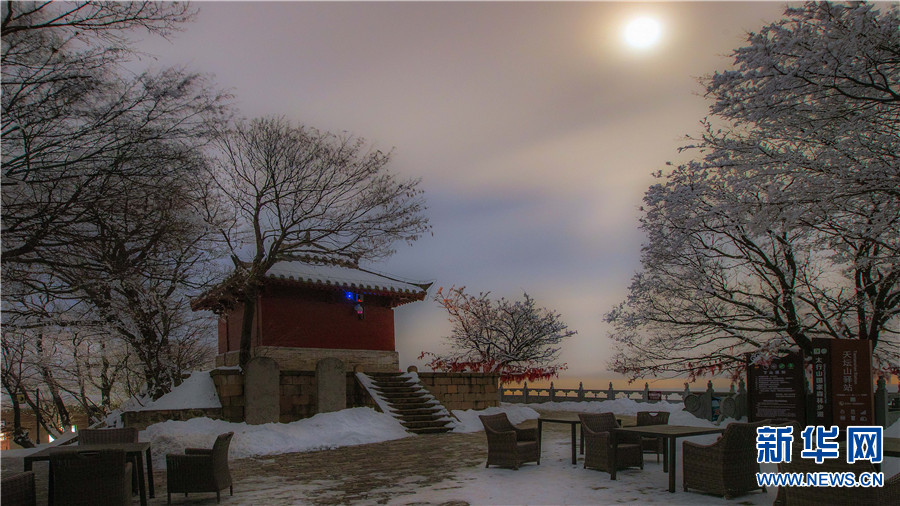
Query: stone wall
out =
(297, 394)
(463, 390)
(142, 419)
(305, 359)
(230, 387)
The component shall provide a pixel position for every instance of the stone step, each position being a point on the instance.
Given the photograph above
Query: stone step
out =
(430, 430)
(408, 400)
(403, 382)
(398, 388)
(421, 418)
(424, 425)
(403, 395)
(416, 411)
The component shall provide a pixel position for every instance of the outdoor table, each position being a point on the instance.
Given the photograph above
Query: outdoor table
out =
(670, 432)
(565, 420)
(137, 452)
(892, 446)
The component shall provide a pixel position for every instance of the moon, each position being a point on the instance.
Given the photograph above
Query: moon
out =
(642, 32)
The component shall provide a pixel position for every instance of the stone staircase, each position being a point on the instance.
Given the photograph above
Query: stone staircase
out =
(415, 408)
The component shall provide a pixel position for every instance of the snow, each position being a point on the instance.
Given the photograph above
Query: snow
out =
(677, 414)
(345, 277)
(554, 481)
(469, 421)
(323, 431)
(196, 392)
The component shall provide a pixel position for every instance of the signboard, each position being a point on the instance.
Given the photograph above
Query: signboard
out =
(821, 376)
(777, 391)
(654, 396)
(844, 394)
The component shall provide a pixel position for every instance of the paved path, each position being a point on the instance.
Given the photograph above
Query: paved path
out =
(371, 474)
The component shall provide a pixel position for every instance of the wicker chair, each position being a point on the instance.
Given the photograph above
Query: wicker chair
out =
(18, 490)
(200, 470)
(649, 444)
(509, 446)
(105, 436)
(818, 496)
(727, 467)
(90, 477)
(598, 444)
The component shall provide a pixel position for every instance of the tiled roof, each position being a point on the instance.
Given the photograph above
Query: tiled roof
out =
(348, 278)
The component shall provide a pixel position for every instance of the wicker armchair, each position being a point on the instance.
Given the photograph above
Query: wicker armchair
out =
(727, 467)
(818, 496)
(509, 446)
(598, 444)
(90, 478)
(18, 490)
(200, 470)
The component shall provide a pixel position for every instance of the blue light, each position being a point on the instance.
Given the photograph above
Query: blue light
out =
(350, 295)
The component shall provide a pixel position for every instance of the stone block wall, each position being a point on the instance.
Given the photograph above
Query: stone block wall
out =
(297, 393)
(463, 390)
(305, 359)
(230, 387)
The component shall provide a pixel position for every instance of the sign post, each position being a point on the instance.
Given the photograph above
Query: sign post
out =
(842, 382)
(777, 391)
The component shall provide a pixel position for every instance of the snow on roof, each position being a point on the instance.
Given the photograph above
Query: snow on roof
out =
(345, 278)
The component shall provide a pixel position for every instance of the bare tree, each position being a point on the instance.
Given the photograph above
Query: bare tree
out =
(284, 192)
(786, 226)
(98, 172)
(514, 338)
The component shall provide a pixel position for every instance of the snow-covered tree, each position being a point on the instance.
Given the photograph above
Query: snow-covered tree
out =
(786, 226)
(513, 338)
(284, 192)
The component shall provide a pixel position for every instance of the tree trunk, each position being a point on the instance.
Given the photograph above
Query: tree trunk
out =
(249, 303)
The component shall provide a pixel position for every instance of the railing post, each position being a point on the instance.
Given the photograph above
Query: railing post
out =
(646, 395)
(742, 398)
(881, 403)
(610, 394)
(707, 400)
(580, 391)
(525, 392)
(500, 392)
(552, 392)
(687, 392)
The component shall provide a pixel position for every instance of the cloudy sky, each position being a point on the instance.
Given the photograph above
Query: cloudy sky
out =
(534, 128)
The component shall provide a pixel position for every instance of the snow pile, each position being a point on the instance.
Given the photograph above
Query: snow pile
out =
(323, 431)
(196, 392)
(677, 414)
(469, 421)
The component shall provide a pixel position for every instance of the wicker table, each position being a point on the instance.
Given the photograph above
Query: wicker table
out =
(892, 446)
(670, 432)
(136, 452)
(566, 420)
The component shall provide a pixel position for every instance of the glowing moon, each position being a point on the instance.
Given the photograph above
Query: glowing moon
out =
(642, 32)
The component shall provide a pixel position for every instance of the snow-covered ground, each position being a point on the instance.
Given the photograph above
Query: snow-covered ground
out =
(555, 481)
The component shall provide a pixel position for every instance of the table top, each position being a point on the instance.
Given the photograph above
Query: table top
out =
(671, 430)
(127, 447)
(892, 446)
